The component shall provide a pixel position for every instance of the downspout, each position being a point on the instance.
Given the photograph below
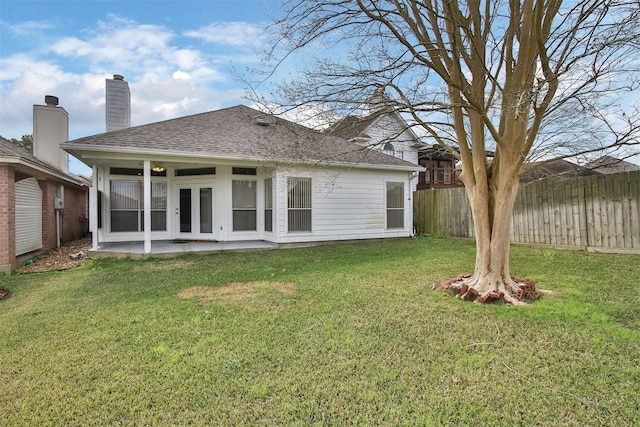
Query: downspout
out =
(57, 228)
(58, 205)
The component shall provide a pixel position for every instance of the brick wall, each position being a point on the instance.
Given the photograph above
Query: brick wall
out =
(49, 189)
(75, 223)
(7, 219)
(73, 218)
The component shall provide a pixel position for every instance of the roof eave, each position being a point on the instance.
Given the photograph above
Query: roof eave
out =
(78, 149)
(79, 181)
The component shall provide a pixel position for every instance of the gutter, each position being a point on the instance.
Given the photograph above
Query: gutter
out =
(52, 172)
(75, 148)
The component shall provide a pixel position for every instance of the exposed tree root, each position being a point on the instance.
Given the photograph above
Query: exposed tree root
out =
(484, 290)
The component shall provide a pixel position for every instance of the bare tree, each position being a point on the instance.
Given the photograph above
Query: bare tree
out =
(477, 76)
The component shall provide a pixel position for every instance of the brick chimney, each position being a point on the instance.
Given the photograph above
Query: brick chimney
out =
(118, 98)
(50, 128)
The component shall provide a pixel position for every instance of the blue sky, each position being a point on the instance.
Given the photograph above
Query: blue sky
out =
(179, 57)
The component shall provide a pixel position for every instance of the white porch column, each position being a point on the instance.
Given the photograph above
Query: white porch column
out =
(147, 206)
(93, 208)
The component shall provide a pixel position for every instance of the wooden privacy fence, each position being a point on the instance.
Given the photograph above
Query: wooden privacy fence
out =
(599, 212)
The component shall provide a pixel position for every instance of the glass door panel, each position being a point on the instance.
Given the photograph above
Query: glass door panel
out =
(206, 210)
(185, 210)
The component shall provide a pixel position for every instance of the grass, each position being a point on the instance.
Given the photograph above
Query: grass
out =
(341, 334)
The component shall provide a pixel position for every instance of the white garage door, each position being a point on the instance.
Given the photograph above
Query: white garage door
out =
(28, 216)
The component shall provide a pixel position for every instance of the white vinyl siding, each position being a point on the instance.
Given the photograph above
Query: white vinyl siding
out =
(347, 204)
(28, 199)
(388, 128)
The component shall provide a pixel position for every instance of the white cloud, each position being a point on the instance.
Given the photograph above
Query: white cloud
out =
(230, 34)
(181, 75)
(28, 28)
(166, 77)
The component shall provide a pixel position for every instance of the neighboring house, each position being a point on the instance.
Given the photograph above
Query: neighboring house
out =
(440, 169)
(237, 174)
(607, 165)
(536, 171)
(381, 128)
(41, 204)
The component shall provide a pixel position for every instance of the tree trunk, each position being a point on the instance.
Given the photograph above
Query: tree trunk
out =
(492, 208)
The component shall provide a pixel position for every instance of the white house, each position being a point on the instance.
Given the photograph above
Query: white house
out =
(238, 174)
(381, 128)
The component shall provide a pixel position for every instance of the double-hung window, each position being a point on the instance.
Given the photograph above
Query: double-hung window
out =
(299, 204)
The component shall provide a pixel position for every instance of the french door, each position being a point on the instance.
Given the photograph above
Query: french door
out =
(194, 212)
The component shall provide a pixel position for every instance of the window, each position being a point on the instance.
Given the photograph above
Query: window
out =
(195, 172)
(268, 204)
(127, 206)
(244, 205)
(389, 149)
(158, 206)
(243, 171)
(134, 172)
(299, 204)
(395, 205)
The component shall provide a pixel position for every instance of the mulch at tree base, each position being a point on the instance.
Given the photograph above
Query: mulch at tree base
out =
(526, 290)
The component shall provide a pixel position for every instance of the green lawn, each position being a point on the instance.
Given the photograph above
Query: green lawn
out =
(341, 334)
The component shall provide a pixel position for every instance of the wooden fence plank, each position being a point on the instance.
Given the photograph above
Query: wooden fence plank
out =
(581, 212)
(611, 212)
(595, 211)
(602, 212)
(598, 211)
(624, 206)
(634, 208)
(576, 228)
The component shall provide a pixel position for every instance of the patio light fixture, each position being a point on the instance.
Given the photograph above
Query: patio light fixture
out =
(157, 168)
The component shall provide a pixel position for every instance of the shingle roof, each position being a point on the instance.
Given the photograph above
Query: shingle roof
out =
(352, 127)
(9, 150)
(608, 165)
(555, 168)
(237, 132)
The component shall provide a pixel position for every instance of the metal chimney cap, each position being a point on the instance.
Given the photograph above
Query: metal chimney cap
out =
(118, 77)
(51, 100)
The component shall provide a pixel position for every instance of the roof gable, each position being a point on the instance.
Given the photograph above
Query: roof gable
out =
(352, 127)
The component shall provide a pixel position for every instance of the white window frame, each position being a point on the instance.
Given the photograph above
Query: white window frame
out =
(139, 209)
(268, 205)
(390, 209)
(307, 201)
(253, 208)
